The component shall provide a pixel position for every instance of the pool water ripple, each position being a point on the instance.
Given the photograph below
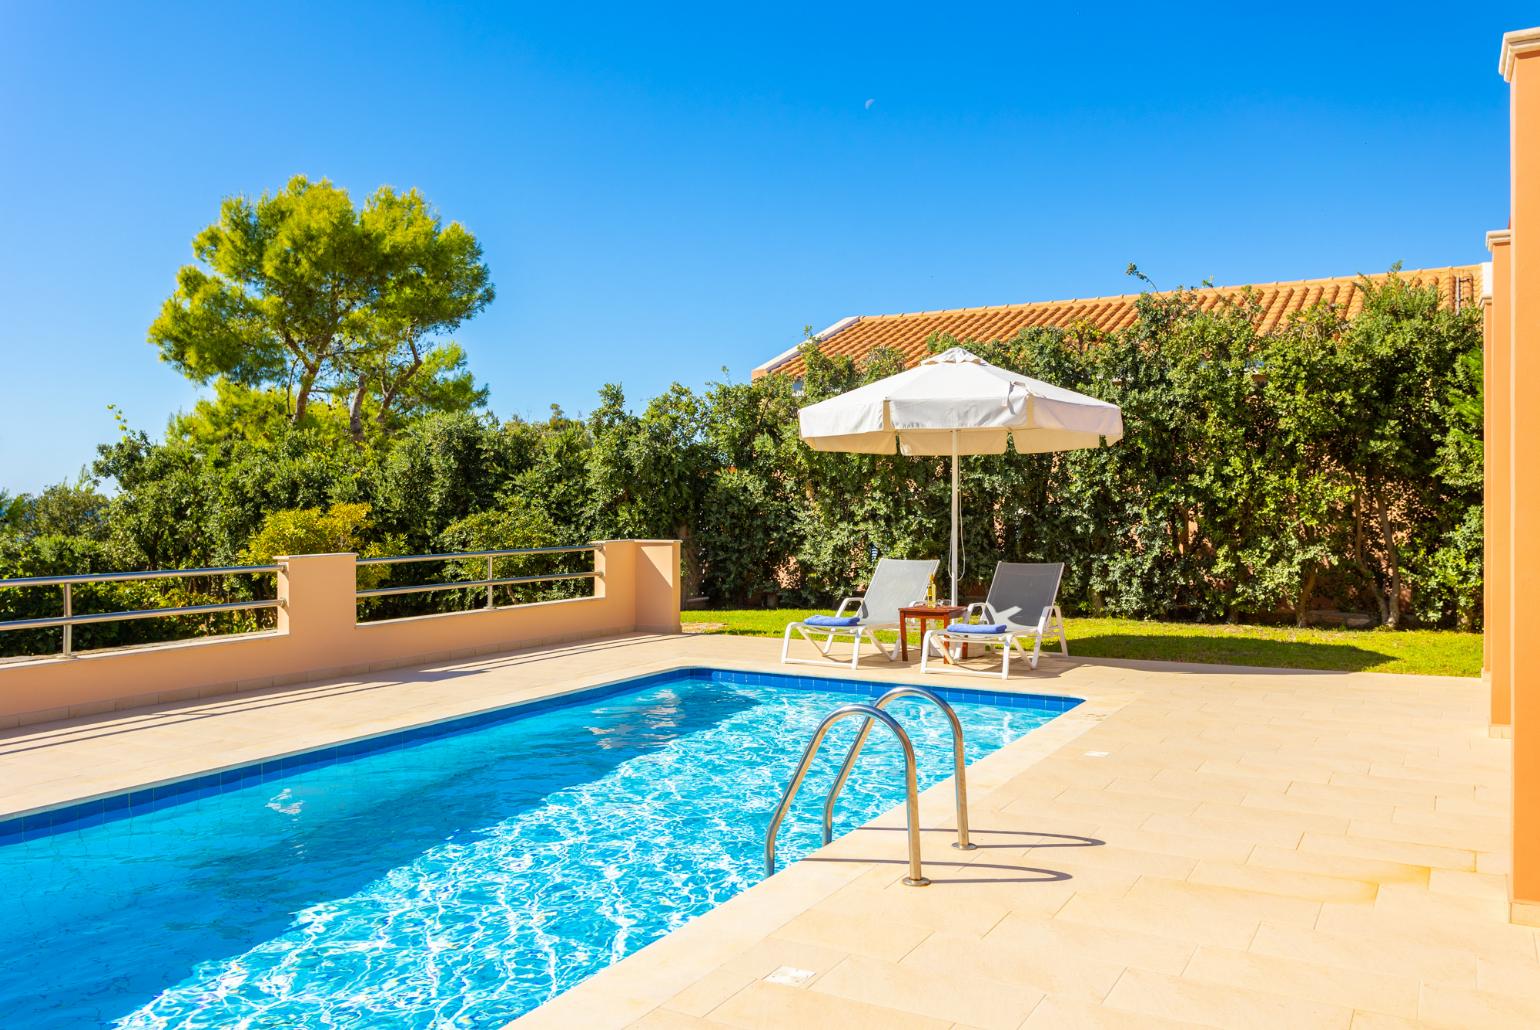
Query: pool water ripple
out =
(458, 882)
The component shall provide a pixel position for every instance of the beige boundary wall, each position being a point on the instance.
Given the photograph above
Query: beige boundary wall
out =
(1519, 378)
(319, 637)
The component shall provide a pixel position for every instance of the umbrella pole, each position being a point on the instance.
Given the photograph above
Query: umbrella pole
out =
(956, 514)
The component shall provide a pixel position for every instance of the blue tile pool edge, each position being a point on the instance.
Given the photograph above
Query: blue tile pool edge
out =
(77, 815)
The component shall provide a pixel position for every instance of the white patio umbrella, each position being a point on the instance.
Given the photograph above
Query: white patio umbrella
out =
(956, 403)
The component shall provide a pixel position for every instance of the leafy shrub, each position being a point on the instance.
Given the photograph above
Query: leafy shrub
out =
(1327, 464)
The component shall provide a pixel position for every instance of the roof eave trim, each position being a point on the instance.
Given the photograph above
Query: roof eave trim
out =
(791, 352)
(1515, 45)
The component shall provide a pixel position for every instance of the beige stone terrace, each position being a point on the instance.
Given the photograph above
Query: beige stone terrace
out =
(1192, 846)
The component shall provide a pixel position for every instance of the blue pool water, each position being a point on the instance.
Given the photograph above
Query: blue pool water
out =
(455, 881)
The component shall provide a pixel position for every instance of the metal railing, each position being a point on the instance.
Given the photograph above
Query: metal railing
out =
(490, 583)
(68, 620)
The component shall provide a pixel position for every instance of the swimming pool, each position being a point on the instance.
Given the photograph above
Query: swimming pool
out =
(452, 875)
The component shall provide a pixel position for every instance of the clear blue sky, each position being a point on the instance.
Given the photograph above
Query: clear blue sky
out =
(663, 194)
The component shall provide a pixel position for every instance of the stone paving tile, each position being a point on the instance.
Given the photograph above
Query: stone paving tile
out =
(1426, 903)
(1508, 976)
(1354, 953)
(947, 956)
(1436, 835)
(1115, 859)
(1338, 807)
(1117, 915)
(1183, 845)
(592, 1008)
(1389, 851)
(668, 1019)
(872, 932)
(1059, 1014)
(1368, 870)
(1016, 888)
(1480, 804)
(1235, 822)
(1462, 1009)
(1470, 885)
(1170, 997)
(1200, 901)
(963, 997)
(1374, 926)
(1363, 1020)
(1407, 783)
(956, 910)
(767, 1006)
(1337, 793)
(1378, 992)
(1024, 933)
(1260, 880)
(754, 963)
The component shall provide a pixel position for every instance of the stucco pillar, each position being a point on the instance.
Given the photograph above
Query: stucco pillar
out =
(1496, 416)
(320, 608)
(644, 576)
(659, 585)
(1520, 66)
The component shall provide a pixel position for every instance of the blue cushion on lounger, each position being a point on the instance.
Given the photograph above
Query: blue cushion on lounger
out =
(991, 628)
(831, 620)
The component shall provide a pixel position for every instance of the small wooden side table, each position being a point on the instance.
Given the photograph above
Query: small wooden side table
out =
(923, 613)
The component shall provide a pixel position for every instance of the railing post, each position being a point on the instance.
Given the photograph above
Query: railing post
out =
(69, 611)
(489, 585)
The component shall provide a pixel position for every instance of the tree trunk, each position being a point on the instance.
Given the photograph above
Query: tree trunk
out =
(691, 574)
(302, 397)
(1393, 556)
(356, 412)
(1360, 559)
(391, 386)
(307, 377)
(1302, 599)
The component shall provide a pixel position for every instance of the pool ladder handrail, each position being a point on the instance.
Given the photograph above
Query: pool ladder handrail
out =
(959, 763)
(916, 877)
(875, 711)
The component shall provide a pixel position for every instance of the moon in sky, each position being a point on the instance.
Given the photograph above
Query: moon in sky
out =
(870, 102)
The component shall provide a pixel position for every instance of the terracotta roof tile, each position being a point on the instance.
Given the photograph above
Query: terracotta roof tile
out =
(907, 333)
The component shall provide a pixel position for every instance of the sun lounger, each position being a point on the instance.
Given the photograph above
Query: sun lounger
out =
(1022, 605)
(895, 584)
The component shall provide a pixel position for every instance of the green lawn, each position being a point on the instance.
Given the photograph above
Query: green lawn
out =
(1424, 652)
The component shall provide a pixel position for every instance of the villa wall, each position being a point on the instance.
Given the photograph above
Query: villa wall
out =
(1516, 382)
(318, 636)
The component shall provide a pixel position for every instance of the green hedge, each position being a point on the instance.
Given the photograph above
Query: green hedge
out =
(1330, 464)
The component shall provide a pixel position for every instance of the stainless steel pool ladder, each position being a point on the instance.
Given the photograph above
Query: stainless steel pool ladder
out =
(959, 763)
(916, 877)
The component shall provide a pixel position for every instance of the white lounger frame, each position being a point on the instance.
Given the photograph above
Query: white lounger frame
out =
(856, 633)
(1051, 626)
